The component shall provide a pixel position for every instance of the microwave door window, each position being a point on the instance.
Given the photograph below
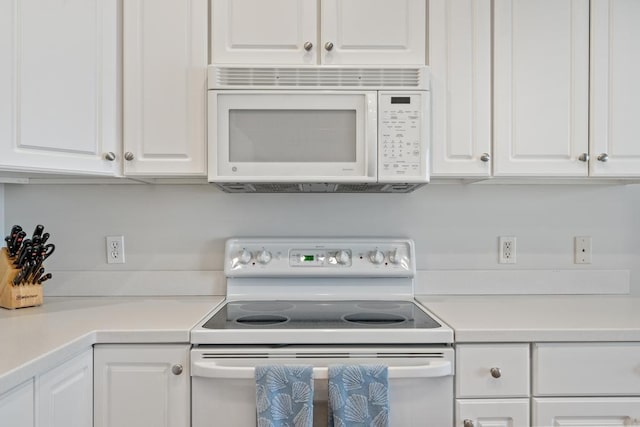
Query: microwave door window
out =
(294, 136)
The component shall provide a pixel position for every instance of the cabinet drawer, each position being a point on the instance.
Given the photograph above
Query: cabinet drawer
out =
(583, 369)
(492, 412)
(492, 370)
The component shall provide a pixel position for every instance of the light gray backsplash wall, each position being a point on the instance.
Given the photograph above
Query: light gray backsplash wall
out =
(2, 225)
(183, 227)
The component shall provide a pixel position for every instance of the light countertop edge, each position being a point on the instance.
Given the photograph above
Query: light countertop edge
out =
(37, 339)
(538, 318)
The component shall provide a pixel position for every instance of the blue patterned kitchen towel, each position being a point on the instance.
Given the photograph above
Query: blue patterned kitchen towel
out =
(284, 395)
(358, 396)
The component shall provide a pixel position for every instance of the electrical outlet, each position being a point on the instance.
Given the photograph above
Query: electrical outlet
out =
(507, 250)
(582, 249)
(115, 249)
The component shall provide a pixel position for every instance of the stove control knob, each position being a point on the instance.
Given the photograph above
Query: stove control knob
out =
(263, 257)
(395, 257)
(376, 257)
(343, 257)
(244, 257)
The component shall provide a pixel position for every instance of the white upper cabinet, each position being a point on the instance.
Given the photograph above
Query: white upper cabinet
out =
(460, 61)
(373, 32)
(164, 77)
(263, 32)
(615, 88)
(59, 86)
(541, 87)
(311, 32)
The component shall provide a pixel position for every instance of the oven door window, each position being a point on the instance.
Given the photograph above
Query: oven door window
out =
(295, 136)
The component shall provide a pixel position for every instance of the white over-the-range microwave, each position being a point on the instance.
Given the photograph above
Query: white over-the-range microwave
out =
(318, 129)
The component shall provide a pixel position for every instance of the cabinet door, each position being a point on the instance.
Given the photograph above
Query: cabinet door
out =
(492, 412)
(460, 61)
(16, 406)
(373, 31)
(541, 87)
(59, 86)
(264, 32)
(586, 412)
(165, 67)
(615, 88)
(65, 394)
(139, 385)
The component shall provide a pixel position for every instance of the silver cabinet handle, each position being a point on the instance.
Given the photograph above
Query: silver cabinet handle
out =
(495, 372)
(485, 157)
(111, 156)
(584, 157)
(129, 156)
(177, 369)
(328, 46)
(467, 423)
(603, 157)
(308, 46)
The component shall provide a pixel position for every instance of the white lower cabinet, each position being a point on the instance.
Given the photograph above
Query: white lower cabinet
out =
(65, 394)
(492, 412)
(142, 385)
(586, 411)
(16, 406)
(61, 397)
(571, 382)
(492, 385)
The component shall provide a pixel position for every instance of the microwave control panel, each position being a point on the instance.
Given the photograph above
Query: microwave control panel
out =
(403, 136)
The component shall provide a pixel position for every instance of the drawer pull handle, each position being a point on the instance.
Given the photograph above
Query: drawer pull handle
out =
(467, 423)
(496, 373)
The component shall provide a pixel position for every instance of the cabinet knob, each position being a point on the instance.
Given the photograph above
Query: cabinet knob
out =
(584, 157)
(603, 157)
(328, 46)
(495, 372)
(177, 369)
(129, 156)
(485, 157)
(111, 156)
(467, 423)
(308, 46)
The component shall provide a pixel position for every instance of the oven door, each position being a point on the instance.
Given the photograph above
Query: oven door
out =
(292, 136)
(223, 385)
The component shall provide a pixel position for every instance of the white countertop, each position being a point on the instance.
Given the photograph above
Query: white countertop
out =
(529, 318)
(35, 339)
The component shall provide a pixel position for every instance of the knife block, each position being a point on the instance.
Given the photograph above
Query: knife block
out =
(16, 296)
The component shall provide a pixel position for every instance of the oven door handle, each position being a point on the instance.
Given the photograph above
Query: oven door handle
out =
(440, 368)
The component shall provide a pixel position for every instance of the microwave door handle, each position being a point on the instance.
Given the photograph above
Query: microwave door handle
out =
(439, 368)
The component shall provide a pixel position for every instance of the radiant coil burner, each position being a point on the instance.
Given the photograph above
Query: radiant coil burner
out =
(374, 318)
(262, 320)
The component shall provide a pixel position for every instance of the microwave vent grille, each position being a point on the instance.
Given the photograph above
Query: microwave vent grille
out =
(277, 187)
(230, 77)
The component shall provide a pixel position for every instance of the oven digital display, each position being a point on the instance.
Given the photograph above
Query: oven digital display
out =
(309, 258)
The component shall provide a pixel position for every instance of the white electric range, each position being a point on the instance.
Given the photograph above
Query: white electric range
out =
(321, 302)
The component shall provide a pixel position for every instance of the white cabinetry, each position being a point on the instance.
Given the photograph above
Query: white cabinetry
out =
(615, 88)
(460, 61)
(141, 385)
(65, 394)
(541, 87)
(61, 397)
(570, 380)
(164, 77)
(59, 86)
(343, 32)
(16, 406)
(492, 385)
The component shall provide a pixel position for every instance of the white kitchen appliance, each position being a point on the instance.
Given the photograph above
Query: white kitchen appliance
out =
(321, 302)
(318, 129)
